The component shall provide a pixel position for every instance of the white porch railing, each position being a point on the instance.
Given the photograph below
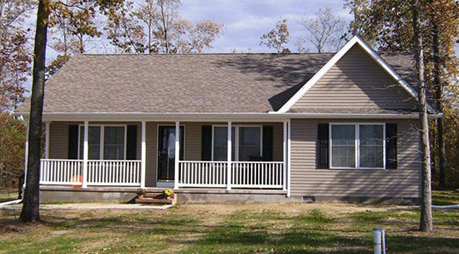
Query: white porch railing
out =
(99, 172)
(202, 173)
(62, 172)
(269, 175)
(114, 172)
(257, 174)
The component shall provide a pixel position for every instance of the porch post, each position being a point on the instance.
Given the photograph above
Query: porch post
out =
(143, 155)
(285, 157)
(47, 140)
(228, 171)
(177, 154)
(85, 154)
(289, 156)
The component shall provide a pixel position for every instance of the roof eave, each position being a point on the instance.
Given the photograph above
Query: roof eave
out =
(246, 117)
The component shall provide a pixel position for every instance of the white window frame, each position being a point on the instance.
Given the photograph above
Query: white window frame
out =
(102, 138)
(236, 132)
(357, 145)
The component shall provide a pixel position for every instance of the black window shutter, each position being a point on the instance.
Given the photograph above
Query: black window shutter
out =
(322, 146)
(391, 146)
(267, 143)
(131, 146)
(206, 148)
(73, 142)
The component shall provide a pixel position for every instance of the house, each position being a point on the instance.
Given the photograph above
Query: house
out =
(233, 127)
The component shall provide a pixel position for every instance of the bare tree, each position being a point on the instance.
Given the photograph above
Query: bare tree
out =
(426, 223)
(30, 209)
(325, 31)
(277, 37)
(158, 27)
(300, 43)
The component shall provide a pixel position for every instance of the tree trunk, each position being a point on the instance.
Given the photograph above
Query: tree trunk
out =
(426, 191)
(30, 210)
(438, 98)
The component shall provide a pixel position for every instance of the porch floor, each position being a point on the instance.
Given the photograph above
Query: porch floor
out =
(155, 189)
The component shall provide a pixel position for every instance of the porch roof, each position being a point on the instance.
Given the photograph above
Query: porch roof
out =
(194, 83)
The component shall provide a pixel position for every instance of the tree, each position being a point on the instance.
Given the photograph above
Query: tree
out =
(126, 33)
(326, 31)
(73, 26)
(156, 26)
(444, 17)
(30, 209)
(12, 136)
(15, 55)
(426, 223)
(278, 37)
(387, 24)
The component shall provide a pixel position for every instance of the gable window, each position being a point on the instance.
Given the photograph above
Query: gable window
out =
(246, 143)
(105, 142)
(357, 145)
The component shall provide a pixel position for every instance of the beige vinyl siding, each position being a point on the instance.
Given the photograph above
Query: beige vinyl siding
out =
(356, 81)
(308, 180)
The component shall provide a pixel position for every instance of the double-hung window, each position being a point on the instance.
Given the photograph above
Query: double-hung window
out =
(220, 141)
(104, 142)
(359, 145)
(246, 143)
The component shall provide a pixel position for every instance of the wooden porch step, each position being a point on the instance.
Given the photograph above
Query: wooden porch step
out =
(157, 195)
(153, 201)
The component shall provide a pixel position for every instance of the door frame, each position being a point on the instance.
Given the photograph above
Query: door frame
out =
(167, 183)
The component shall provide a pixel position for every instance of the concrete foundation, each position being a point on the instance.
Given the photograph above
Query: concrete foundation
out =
(85, 196)
(222, 198)
(66, 194)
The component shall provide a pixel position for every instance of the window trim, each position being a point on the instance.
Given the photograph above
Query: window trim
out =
(102, 139)
(236, 132)
(357, 144)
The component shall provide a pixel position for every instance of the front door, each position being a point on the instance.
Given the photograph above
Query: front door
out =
(166, 152)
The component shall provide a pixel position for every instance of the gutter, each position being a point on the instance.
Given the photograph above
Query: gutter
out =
(173, 116)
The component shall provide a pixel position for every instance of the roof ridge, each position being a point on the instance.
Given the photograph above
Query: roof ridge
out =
(200, 54)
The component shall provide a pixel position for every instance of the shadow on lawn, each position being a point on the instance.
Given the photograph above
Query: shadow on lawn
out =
(244, 232)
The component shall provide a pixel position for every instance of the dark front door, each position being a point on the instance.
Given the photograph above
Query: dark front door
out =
(166, 152)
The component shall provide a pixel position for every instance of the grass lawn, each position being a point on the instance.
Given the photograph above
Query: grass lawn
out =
(8, 194)
(244, 228)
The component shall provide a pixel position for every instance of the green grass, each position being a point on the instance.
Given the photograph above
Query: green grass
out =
(8, 194)
(250, 228)
(445, 197)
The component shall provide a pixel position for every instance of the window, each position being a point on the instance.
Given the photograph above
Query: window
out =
(249, 143)
(221, 143)
(246, 143)
(114, 143)
(113, 139)
(371, 146)
(343, 146)
(357, 145)
(93, 142)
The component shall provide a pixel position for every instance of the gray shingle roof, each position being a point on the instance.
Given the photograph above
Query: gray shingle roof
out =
(185, 83)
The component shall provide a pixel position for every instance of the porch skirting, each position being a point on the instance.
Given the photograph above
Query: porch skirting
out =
(69, 194)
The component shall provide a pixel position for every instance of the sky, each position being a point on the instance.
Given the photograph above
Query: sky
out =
(246, 21)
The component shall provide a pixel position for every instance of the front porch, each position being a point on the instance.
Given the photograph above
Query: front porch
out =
(198, 157)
